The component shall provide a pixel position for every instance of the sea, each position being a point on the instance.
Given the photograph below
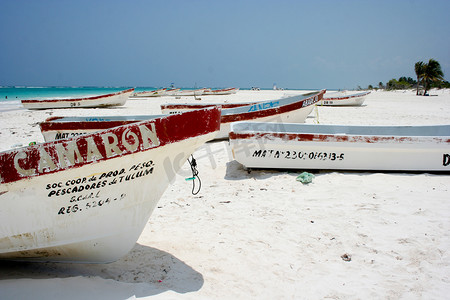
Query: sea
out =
(26, 93)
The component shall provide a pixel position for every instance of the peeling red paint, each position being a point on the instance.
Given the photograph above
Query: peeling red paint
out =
(53, 156)
(306, 137)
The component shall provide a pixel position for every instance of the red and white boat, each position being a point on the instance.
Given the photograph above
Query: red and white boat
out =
(341, 147)
(87, 199)
(183, 93)
(113, 99)
(227, 91)
(344, 99)
(147, 94)
(155, 93)
(292, 109)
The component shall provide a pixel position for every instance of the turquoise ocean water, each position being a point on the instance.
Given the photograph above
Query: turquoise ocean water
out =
(23, 93)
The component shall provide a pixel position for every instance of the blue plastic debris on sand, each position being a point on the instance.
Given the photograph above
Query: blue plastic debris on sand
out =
(305, 177)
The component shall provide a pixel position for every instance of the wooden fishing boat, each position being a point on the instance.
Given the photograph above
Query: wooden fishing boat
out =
(87, 199)
(341, 147)
(344, 99)
(293, 109)
(227, 91)
(171, 92)
(114, 99)
(184, 93)
(155, 93)
(175, 108)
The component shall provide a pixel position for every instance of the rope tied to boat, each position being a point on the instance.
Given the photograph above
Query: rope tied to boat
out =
(193, 164)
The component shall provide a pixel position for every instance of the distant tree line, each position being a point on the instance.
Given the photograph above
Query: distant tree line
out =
(429, 75)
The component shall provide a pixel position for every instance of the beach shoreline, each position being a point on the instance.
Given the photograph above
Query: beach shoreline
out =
(261, 233)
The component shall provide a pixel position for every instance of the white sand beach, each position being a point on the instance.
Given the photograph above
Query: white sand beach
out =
(262, 234)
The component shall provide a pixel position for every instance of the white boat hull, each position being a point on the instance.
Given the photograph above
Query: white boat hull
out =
(155, 93)
(116, 99)
(96, 211)
(307, 146)
(171, 92)
(101, 228)
(343, 99)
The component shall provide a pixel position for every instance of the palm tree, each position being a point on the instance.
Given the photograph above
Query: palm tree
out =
(432, 72)
(418, 67)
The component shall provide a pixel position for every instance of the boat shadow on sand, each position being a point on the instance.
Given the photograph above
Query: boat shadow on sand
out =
(144, 271)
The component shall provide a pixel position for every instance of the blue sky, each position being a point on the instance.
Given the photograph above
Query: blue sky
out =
(200, 43)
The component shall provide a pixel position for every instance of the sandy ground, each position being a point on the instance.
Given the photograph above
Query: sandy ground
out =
(262, 234)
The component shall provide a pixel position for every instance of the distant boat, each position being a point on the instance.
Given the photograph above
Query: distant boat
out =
(113, 99)
(344, 99)
(197, 92)
(174, 108)
(146, 94)
(171, 92)
(227, 91)
(341, 147)
(155, 93)
(87, 199)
